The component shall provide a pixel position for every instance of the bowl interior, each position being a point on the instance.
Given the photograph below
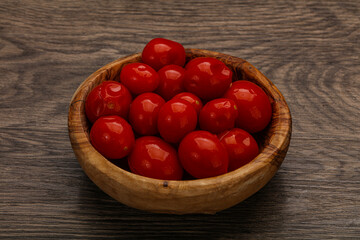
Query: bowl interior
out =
(207, 195)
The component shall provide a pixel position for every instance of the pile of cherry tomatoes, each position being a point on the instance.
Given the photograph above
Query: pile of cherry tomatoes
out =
(164, 116)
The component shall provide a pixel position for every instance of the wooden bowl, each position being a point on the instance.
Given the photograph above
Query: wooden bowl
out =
(208, 195)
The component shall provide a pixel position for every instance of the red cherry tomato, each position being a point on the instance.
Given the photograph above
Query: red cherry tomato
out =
(253, 105)
(112, 136)
(193, 62)
(171, 81)
(152, 157)
(241, 147)
(108, 98)
(144, 112)
(208, 78)
(139, 78)
(218, 115)
(191, 98)
(202, 155)
(176, 118)
(160, 52)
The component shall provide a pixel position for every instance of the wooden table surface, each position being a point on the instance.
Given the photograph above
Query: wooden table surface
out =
(309, 49)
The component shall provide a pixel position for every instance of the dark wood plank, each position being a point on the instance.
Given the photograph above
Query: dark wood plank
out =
(309, 49)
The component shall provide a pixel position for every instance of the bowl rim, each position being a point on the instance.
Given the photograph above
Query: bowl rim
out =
(265, 161)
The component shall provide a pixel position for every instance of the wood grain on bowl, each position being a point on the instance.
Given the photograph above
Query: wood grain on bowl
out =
(189, 196)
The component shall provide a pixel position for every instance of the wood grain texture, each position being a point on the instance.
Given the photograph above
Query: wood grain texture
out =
(309, 49)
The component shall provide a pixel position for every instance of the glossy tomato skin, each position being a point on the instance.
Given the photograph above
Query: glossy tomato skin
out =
(139, 78)
(153, 157)
(218, 115)
(112, 136)
(171, 81)
(253, 104)
(176, 118)
(195, 61)
(160, 52)
(202, 155)
(108, 98)
(241, 147)
(208, 78)
(192, 99)
(144, 112)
